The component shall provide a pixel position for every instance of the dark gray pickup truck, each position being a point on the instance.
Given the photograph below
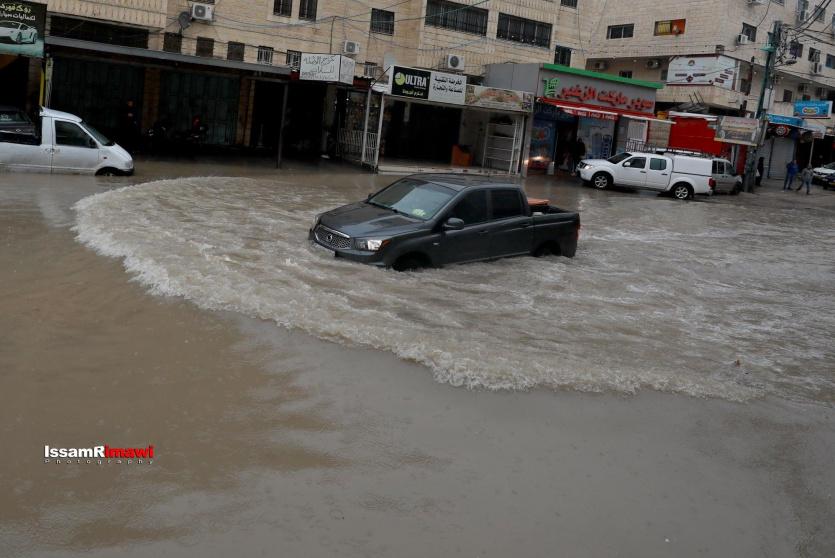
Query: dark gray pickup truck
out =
(429, 220)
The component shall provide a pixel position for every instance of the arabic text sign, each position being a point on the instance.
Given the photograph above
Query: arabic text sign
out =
(410, 82)
(596, 92)
(813, 109)
(447, 88)
(702, 70)
(22, 26)
(326, 67)
(733, 129)
(500, 99)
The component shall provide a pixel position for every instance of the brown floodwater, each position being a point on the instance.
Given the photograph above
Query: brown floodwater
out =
(301, 405)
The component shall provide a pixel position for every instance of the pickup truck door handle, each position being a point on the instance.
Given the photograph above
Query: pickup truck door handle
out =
(643, 172)
(525, 225)
(485, 231)
(663, 174)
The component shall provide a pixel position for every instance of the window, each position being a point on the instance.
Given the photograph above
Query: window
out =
(458, 17)
(369, 70)
(382, 21)
(796, 49)
(67, 133)
(568, 3)
(664, 74)
(636, 163)
(625, 73)
(172, 42)
(265, 55)
(235, 51)
(830, 61)
(294, 58)
(749, 31)
(283, 8)
(472, 209)
(506, 203)
(729, 169)
(657, 164)
(787, 95)
(205, 46)
(562, 55)
(670, 27)
(85, 30)
(620, 31)
(820, 12)
(307, 9)
(814, 55)
(521, 30)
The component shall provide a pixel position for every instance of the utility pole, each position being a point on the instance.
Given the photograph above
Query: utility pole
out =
(771, 50)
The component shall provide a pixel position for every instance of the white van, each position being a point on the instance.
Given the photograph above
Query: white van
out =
(66, 144)
(683, 176)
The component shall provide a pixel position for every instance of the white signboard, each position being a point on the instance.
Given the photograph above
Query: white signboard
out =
(326, 67)
(702, 70)
(346, 70)
(447, 88)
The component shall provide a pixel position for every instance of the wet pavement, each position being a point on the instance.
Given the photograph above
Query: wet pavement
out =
(309, 405)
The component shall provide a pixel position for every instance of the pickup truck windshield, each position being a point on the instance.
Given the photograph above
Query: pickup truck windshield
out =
(101, 138)
(414, 198)
(619, 158)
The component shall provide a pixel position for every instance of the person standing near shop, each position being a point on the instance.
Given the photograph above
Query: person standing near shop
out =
(579, 152)
(129, 127)
(791, 172)
(760, 171)
(806, 179)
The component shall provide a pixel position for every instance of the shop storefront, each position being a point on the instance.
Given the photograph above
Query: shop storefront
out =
(433, 121)
(608, 114)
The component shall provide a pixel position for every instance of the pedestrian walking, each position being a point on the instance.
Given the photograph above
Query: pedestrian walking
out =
(791, 171)
(129, 127)
(578, 152)
(760, 171)
(806, 179)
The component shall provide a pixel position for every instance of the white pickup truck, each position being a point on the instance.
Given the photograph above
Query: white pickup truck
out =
(683, 176)
(64, 144)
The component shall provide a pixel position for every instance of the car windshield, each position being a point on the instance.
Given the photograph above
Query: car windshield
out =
(101, 138)
(14, 116)
(829, 166)
(619, 157)
(414, 198)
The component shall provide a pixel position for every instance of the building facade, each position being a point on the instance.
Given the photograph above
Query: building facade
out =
(710, 56)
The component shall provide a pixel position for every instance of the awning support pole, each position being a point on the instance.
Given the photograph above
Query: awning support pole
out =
(280, 154)
(379, 132)
(365, 126)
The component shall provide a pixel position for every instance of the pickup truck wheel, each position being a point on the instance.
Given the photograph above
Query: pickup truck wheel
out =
(682, 192)
(107, 171)
(410, 263)
(601, 181)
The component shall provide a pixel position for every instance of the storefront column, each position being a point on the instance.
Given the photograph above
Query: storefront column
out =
(526, 144)
(380, 131)
(280, 154)
(365, 126)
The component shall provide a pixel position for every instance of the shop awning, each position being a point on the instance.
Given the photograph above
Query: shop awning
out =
(649, 119)
(583, 111)
(162, 56)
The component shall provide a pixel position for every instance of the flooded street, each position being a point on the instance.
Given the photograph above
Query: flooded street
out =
(668, 392)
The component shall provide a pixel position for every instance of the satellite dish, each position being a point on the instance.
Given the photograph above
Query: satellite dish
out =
(184, 19)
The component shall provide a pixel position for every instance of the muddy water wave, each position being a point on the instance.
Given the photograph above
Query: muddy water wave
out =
(702, 299)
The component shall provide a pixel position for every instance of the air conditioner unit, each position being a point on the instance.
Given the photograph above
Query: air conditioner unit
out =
(350, 47)
(600, 65)
(454, 62)
(802, 15)
(742, 39)
(817, 68)
(653, 64)
(802, 88)
(202, 12)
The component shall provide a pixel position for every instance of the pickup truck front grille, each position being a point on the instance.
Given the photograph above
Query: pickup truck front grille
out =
(331, 238)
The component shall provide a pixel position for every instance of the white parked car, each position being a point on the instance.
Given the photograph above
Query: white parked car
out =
(683, 176)
(823, 174)
(17, 32)
(66, 144)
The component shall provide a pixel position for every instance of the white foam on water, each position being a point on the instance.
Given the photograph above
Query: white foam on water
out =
(639, 306)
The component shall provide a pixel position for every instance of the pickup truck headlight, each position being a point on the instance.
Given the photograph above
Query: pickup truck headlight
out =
(371, 244)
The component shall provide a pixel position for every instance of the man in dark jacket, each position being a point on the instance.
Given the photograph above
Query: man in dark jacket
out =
(791, 171)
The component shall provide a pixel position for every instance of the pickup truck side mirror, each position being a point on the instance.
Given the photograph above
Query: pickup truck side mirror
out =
(368, 197)
(453, 224)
